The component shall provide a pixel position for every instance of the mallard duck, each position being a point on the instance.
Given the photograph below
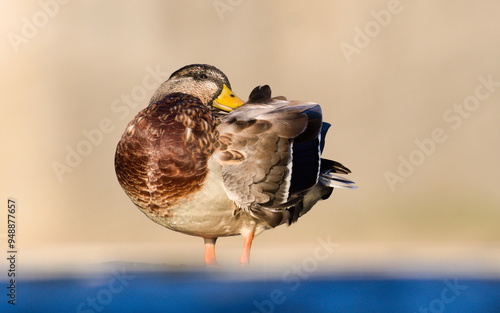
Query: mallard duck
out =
(200, 161)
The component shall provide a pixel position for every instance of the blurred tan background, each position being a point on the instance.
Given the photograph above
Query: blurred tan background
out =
(387, 73)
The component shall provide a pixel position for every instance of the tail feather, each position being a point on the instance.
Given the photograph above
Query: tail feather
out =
(327, 175)
(331, 180)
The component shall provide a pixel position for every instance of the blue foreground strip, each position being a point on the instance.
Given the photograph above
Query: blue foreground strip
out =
(120, 291)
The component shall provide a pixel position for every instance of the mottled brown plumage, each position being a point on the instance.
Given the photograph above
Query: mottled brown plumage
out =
(162, 157)
(193, 168)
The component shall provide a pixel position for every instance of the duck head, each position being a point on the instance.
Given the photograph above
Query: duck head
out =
(206, 82)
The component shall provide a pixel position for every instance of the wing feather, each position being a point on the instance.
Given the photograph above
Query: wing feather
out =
(263, 133)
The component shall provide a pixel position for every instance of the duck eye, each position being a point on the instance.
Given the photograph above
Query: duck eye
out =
(203, 76)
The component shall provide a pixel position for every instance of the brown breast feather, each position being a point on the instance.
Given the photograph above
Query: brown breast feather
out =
(162, 157)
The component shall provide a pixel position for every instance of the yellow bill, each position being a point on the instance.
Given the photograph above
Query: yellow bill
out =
(227, 100)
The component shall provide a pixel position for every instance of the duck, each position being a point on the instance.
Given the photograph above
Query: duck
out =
(200, 161)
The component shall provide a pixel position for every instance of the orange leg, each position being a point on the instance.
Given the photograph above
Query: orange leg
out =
(210, 251)
(247, 239)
